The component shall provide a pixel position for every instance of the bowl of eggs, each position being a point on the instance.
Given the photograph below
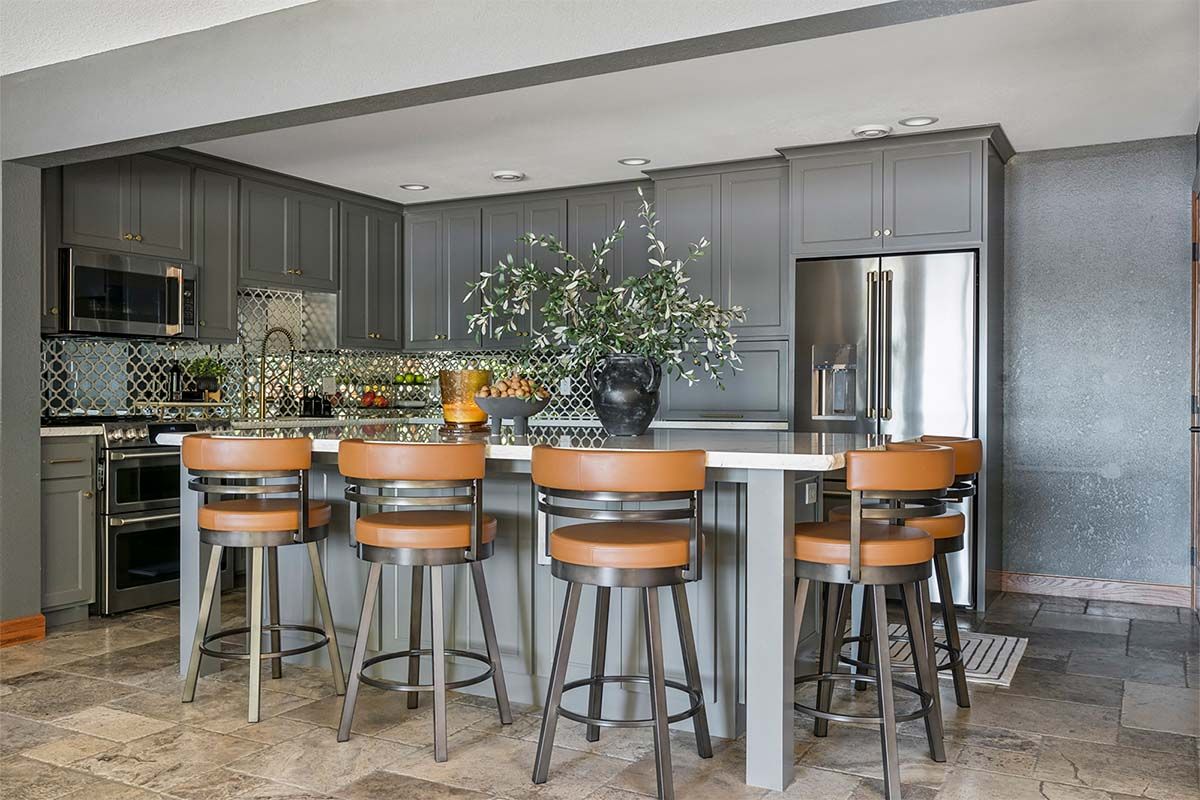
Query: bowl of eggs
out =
(517, 398)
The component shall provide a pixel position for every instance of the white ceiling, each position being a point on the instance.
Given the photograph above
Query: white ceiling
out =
(34, 33)
(1054, 73)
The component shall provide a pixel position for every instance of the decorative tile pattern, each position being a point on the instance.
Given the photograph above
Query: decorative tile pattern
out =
(110, 376)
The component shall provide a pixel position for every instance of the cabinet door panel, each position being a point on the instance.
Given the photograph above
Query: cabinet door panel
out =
(264, 234)
(422, 280)
(388, 237)
(759, 392)
(837, 203)
(547, 217)
(502, 224)
(589, 221)
(215, 234)
(96, 204)
(356, 298)
(933, 195)
(68, 542)
(754, 241)
(312, 238)
(631, 257)
(161, 207)
(462, 262)
(690, 209)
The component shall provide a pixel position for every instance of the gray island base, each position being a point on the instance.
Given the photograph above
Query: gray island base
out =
(759, 484)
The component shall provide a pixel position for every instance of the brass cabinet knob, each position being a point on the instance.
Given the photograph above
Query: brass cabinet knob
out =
(137, 237)
(53, 309)
(299, 272)
(202, 323)
(87, 495)
(128, 237)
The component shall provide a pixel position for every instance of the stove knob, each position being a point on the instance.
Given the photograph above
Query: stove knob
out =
(143, 433)
(117, 434)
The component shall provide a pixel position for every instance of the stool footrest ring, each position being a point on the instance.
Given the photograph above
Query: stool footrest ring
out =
(921, 712)
(243, 655)
(694, 696)
(397, 686)
(953, 661)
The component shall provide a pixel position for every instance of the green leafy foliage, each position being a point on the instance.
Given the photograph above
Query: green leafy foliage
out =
(586, 315)
(206, 367)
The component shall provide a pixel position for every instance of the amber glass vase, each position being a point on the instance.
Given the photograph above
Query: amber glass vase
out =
(459, 409)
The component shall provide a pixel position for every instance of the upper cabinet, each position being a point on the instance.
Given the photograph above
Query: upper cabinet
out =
(505, 222)
(690, 210)
(135, 204)
(289, 238)
(215, 204)
(442, 254)
(859, 199)
(592, 215)
(369, 301)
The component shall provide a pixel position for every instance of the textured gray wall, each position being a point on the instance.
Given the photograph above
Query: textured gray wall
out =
(20, 405)
(1096, 361)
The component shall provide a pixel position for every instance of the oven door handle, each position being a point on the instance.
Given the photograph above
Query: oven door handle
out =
(120, 522)
(116, 455)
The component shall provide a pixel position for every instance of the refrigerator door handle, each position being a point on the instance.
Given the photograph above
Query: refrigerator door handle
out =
(872, 315)
(885, 362)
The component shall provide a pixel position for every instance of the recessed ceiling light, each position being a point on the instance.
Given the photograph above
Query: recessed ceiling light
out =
(413, 187)
(634, 162)
(508, 175)
(918, 122)
(871, 131)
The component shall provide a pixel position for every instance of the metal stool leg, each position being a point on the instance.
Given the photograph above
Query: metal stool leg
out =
(919, 648)
(950, 619)
(558, 675)
(414, 633)
(255, 586)
(489, 638)
(599, 651)
(864, 642)
(887, 703)
(691, 667)
(273, 609)
(658, 694)
(206, 602)
(798, 614)
(360, 650)
(836, 610)
(437, 623)
(933, 723)
(335, 653)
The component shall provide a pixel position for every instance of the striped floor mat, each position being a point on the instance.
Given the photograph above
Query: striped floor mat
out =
(988, 657)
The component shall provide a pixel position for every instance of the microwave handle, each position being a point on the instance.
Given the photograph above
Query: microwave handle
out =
(176, 273)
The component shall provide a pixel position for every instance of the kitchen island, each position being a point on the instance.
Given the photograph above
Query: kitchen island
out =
(759, 483)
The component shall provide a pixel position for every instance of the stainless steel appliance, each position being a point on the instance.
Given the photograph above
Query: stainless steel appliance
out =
(126, 295)
(889, 345)
(138, 544)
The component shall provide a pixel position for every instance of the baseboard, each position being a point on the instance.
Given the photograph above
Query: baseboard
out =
(22, 629)
(1154, 594)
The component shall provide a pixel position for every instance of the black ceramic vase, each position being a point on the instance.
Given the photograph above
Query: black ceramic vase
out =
(625, 393)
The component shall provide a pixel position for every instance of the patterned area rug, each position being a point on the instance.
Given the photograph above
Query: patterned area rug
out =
(987, 657)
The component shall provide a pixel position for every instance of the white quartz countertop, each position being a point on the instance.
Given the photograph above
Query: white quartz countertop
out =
(731, 449)
(325, 422)
(72, 430)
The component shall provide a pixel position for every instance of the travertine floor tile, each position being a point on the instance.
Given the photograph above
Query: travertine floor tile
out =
(857, 751)
(109, 790)
(989, 759)
(272, 730)
(167, 759)
(1116, 664)
(131, 665)
(311, 682)
(18, 734)
(1094, 691)
(1161, 708)
(1051, 717)
(74, 747)
(415, 726)
(222, 711)
(1158, 740)
(394, 786)
(112, 723)
(1118, 769)
(50, 695)
(1109, 608)
(24, 778)
(1080, 622)
(967, 784)
(1181, 638)
(722, 776)
(224, 784)
(23, 659)
(375, 711)
(318, 762)
(819, 784)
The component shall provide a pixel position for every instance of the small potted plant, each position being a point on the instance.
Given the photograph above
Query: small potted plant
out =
(619, 336)
(208, 374)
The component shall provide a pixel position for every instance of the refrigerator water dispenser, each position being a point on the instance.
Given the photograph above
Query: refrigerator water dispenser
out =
(833, 381)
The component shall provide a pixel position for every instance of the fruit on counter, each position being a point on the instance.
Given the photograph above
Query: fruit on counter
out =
(408, 378)
(515, 386)
(381, 401)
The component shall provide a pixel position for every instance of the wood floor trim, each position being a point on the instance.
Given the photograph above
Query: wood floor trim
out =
(1154, 594)
(22, 629)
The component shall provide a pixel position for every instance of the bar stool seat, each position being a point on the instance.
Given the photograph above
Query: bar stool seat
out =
(422, 530)
(883, 545)
(946, 525)
(256, 514)
(622, 545)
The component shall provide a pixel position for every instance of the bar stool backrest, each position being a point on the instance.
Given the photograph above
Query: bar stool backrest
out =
(570, 475)
(968, 461)
(911, 477)
(416, 475)
(249, 462)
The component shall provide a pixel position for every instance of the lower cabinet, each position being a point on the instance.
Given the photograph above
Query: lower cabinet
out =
(68, 500)
(759, 392)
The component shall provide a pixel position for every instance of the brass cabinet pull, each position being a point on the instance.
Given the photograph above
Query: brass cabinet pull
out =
(65, 461)
(87, 495)
(720, 415)
(137, 237)
(53, 309)
(128, 237)
(202, 323)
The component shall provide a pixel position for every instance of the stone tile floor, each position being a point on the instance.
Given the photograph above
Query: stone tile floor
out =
(1104, 706)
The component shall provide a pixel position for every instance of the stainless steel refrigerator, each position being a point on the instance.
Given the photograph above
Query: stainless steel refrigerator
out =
(889, 345)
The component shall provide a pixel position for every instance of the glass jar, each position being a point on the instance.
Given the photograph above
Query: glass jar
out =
(459, 387)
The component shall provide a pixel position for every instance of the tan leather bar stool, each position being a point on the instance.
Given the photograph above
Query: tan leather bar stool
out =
(433, 479)
(642, 549)
(253, 468)
(867, 549)
(947, 531)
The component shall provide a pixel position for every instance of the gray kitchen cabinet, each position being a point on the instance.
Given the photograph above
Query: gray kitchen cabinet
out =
(760, 391)
(136, 204)
(288, 238)
(443, 252)
(215, 246)
(422, 280)
(690, 210)
(590, 218)
(463, 254)
(630, 256)
(837, 203)
(933, 195)
(68, 534)
(754, 250)
(502, 224)
(369, 303)
(593, 215)
(52, 217)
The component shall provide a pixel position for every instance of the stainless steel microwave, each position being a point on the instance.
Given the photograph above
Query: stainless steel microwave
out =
(110, 293)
